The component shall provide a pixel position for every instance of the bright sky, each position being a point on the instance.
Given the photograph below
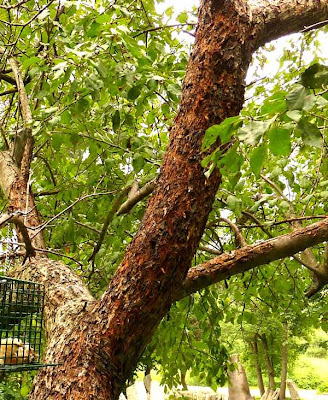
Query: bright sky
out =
(179, 5)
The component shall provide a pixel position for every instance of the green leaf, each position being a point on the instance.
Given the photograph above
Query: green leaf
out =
(315, 77)
(295, 115)
(138, 162)
(182, 17)
(65, 117)
(275, 104)
(295, 98)
(24, 390)
(134, 92)
(224, 131)
(152, 84)
(279, 141)
(94, 29)
(311, 134)
(257, 159)
(30, 61)
(309, 102)
(116, 120)
(174, 89)
(234, 204)
(253, 132)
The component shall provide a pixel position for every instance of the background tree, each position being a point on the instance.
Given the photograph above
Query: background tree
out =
(91, 92)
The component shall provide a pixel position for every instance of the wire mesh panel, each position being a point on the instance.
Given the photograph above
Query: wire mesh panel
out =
(21, 313)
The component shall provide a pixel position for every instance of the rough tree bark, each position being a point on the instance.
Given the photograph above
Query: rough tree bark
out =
(100, 342)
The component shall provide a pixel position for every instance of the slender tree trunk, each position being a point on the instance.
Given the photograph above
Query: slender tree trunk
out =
(147, 382)
(268, 362)
(282, 393)
(183, 379)
(255, 350)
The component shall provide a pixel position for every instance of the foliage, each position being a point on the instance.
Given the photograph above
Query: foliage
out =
(310, 373)
(16, 386)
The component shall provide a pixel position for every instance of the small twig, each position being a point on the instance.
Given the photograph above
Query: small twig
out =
(8, 92)
(157, 28)
(136, 197)
(275, 187)
(7, 78)
(20, 3)
(209, 250)
(285, 221)
(315, 26)
(240, 240)
(88, 227)
(58, 254)
(30, 20)
(43, 226)
(47, 193)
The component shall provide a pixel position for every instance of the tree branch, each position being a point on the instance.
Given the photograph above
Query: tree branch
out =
(138, 196)
(23, 147)
(116, 205)
(246, 258)
(240, 240)
(7, 78)
(280, 18)
(15, 219)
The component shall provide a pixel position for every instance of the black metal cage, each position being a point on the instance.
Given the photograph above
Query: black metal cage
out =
(21, 314)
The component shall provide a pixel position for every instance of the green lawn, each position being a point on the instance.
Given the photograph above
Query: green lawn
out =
(311, 373)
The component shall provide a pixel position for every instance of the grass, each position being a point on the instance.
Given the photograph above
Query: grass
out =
(311, 373)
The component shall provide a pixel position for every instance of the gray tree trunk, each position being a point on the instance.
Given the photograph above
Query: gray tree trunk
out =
(284, 361)
(238, 386)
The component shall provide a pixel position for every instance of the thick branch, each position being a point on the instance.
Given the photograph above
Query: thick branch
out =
(240, 240)
(23, 147)
(278, 18)
(246, 258)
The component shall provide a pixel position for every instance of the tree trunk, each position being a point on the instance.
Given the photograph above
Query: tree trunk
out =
(183, 379)
(255, 350)
(268, 362)
(99, 343)
(284, 363)
(238, 385)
